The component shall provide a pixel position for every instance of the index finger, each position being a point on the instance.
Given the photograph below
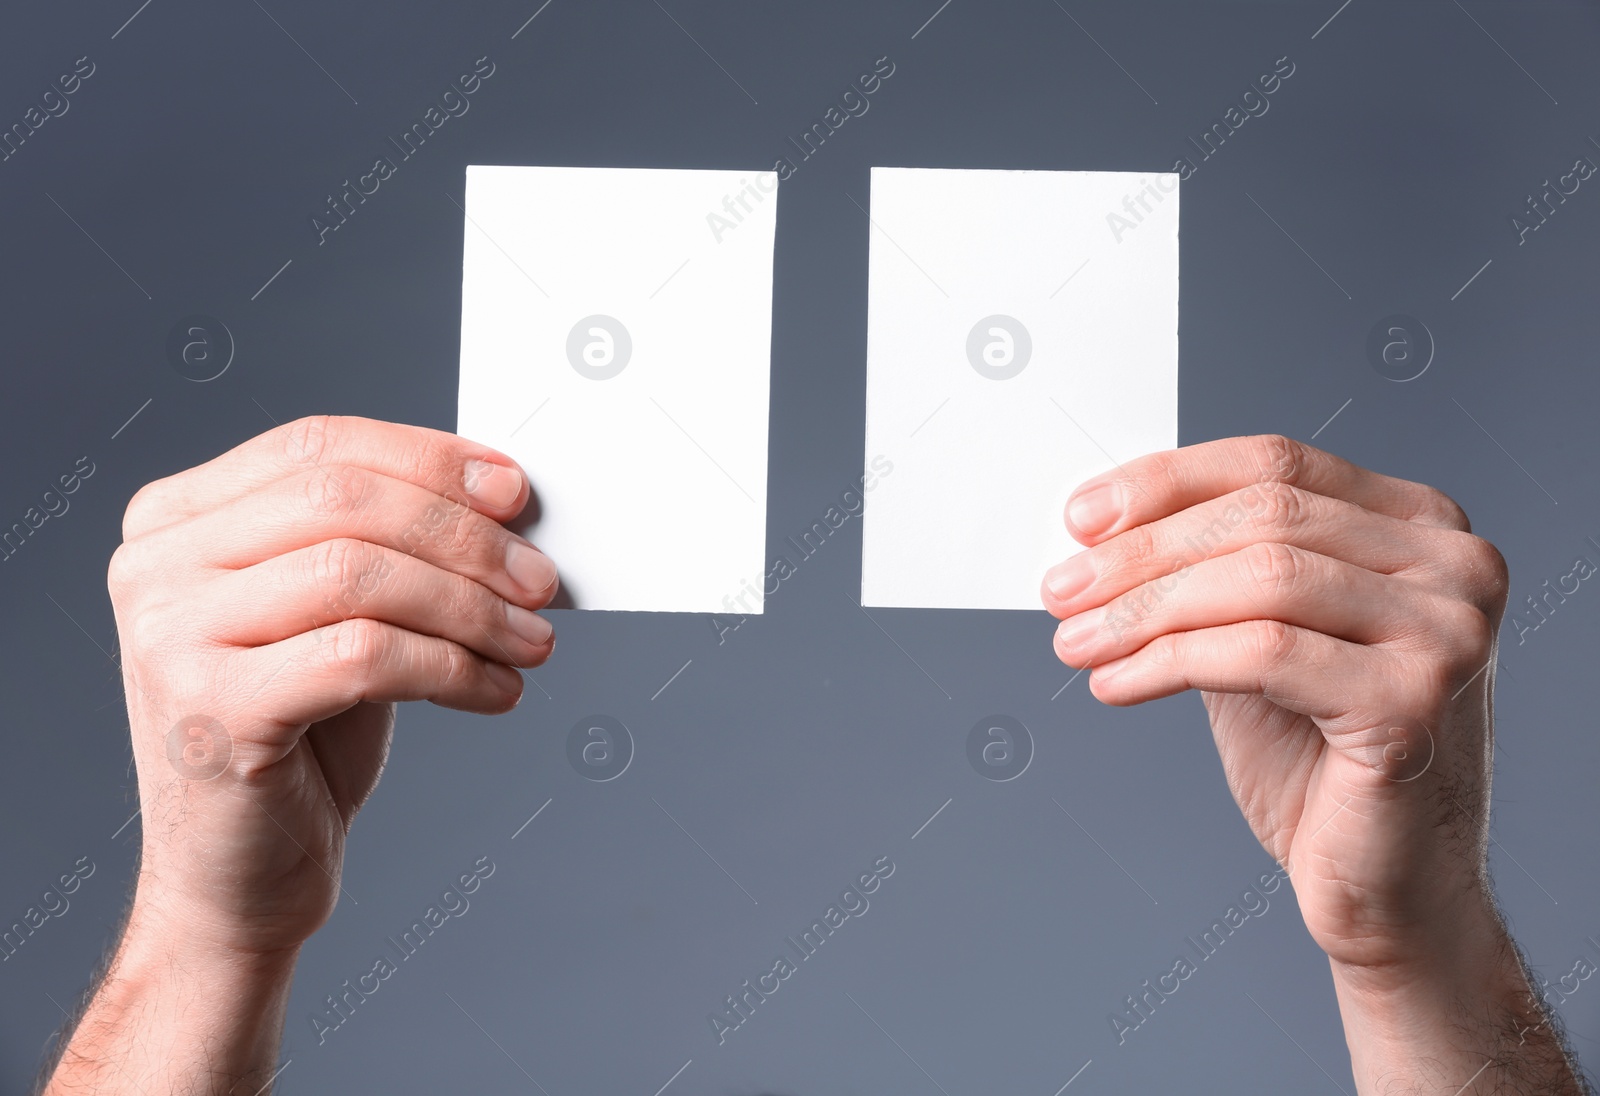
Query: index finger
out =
(1162, 484)
(450, 466)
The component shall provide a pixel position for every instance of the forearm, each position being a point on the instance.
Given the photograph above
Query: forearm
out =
(1463, 1020)
(177, 1013)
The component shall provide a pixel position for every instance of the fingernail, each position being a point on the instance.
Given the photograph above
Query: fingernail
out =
(1067, 580)
(1078, 630)
(529, 568)
(494, 485)
(529, 625)
(504, 676)
(1095, 510)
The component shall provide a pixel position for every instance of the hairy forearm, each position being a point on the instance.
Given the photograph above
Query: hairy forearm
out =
(177, 1014)
(1465, 1019)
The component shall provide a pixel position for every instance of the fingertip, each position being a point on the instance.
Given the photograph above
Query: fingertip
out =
(1065, 581)
(1103, 686)
(509, 684)
(525, 484)
(1093, 509)
(1066, 657)
(497, 487)
(1048, 600)
(542, 654)
(549, 650)
(533, 571)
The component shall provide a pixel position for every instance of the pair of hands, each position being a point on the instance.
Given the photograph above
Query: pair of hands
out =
(275, 603)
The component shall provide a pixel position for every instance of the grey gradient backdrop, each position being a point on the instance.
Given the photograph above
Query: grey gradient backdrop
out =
(807, 745)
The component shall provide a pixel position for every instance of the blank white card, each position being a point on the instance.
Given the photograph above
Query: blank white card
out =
(1022, 337)
(616, 331)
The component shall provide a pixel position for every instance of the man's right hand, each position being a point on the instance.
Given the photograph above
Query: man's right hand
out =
(272, 605)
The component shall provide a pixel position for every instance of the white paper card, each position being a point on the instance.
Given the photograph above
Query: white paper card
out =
(1022, 337)
(616, 332)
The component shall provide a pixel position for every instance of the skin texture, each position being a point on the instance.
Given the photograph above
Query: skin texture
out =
(275, 603)
(1341, 627)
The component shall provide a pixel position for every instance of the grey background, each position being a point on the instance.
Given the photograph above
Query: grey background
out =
(807, 745)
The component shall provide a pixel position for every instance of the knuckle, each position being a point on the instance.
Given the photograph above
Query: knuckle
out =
(1161, 468)
(123, 572)
(145, 511)
(338, 569)
(1278, 459)
(330, 492)
(1487, 571)
(1274, 643)
(1281, 509)
(469, 536)
(1468, 638)
(1164, 651)
(435, 459)
(1275, 567)
(457, 670)
(1436, 506)
(146, 630)
(1156, 478)
(357, 646)
(306, 439)
(468, 601)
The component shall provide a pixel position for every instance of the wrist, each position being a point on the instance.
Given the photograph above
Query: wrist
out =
(182, 1008)
(1427, 975)
(1465, 941)
(196, 933)
(249, 904)
(191, 940)
(1457, 999)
